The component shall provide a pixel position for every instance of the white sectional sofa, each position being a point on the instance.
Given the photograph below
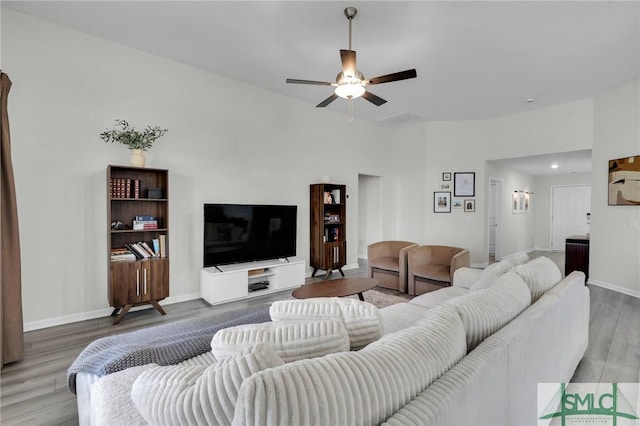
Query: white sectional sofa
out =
(469, 354)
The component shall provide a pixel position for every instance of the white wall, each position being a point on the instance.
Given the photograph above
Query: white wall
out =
(614, 259)
(466, 145)
(516, 230)
(230, 142)
(542, 203)
(227, 142)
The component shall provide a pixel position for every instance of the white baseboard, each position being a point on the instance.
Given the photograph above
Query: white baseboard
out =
(614, 287)
(83, 316)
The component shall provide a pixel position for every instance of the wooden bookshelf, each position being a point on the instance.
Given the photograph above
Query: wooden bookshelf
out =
(328, 204)
(141, 281)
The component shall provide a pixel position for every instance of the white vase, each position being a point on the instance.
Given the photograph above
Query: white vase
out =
(137, 158)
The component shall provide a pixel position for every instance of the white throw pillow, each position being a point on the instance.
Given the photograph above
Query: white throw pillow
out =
(486, 311)
(489, 274)
(291, 340)
(362, 320)
(176, 395)
(540, 275)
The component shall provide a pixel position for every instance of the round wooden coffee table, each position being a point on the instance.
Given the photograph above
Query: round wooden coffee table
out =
(336, 288)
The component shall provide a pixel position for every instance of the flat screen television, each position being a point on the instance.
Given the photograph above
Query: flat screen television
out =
(235, 233)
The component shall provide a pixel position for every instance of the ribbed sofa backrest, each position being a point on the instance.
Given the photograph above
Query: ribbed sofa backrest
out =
(355, 388)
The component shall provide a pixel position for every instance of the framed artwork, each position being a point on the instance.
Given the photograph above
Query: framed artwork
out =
(445, 186)
(526, 202)
(515, 203)
(442, 202)
(464, 184)
(457, 203)
(446, 176)
(469, 205)
(624, 181)
(521, 202)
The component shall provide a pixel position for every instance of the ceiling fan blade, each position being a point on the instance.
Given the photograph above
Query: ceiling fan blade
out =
(374, 99)
(327, 101)
(348, 58)
(402, 75)
(318, 83)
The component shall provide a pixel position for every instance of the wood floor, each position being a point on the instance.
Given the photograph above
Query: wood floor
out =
(34, 391)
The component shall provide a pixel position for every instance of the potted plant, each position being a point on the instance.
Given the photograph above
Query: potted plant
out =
(136, 141)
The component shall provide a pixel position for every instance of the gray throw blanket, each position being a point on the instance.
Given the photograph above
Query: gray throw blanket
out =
(165, 344)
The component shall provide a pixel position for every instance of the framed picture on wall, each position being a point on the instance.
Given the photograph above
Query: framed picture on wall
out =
(464, 184)
(456, 203)
(442, 202)
(515, 203)
(469, 205)
(446, 176)
(624, 181)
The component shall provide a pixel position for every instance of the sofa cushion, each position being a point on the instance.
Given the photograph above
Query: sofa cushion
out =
(363, 387)
(291, 340)
(438, 297)
(388, 263)
(432, 271)
(180, 395)
(540, 275)
(361, 319)
(483, 312)
(400, 316)
(489, 274)
(516, 258)
(111, 402)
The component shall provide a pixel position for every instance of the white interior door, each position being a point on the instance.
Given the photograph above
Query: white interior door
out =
(494, 217)
(569, 208)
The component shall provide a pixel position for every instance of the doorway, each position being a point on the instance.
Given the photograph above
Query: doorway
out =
(570, 211)
(494, 219)
(369, 216)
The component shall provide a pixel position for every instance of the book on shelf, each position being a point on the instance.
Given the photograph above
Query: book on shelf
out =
(145, 224)
(156, 246)
(331, 217)
(121, 254)
(140, 254)
(144, 218)
(147, 248)
(124, 188)
(163, 245)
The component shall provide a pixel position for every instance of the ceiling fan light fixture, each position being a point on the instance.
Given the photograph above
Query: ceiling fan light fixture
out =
(350, 90)
(350, 87)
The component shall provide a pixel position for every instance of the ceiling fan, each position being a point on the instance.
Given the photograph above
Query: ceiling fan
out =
(350, 83)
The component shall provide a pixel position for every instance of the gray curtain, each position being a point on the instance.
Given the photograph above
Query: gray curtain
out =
(11, 331)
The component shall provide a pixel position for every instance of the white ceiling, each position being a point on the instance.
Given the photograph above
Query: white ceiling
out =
(474, 60)
(540, 165)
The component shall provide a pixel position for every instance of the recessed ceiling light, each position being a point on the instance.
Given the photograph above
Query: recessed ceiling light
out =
(530, 100)
(554, 166)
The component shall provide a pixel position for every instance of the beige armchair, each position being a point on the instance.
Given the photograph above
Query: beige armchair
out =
(388, 263)
(432, 267)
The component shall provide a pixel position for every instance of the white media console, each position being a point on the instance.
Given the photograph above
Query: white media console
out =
(232, 282)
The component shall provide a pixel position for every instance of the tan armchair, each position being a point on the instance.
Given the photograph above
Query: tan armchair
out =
(432, 267)
(388, 263)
